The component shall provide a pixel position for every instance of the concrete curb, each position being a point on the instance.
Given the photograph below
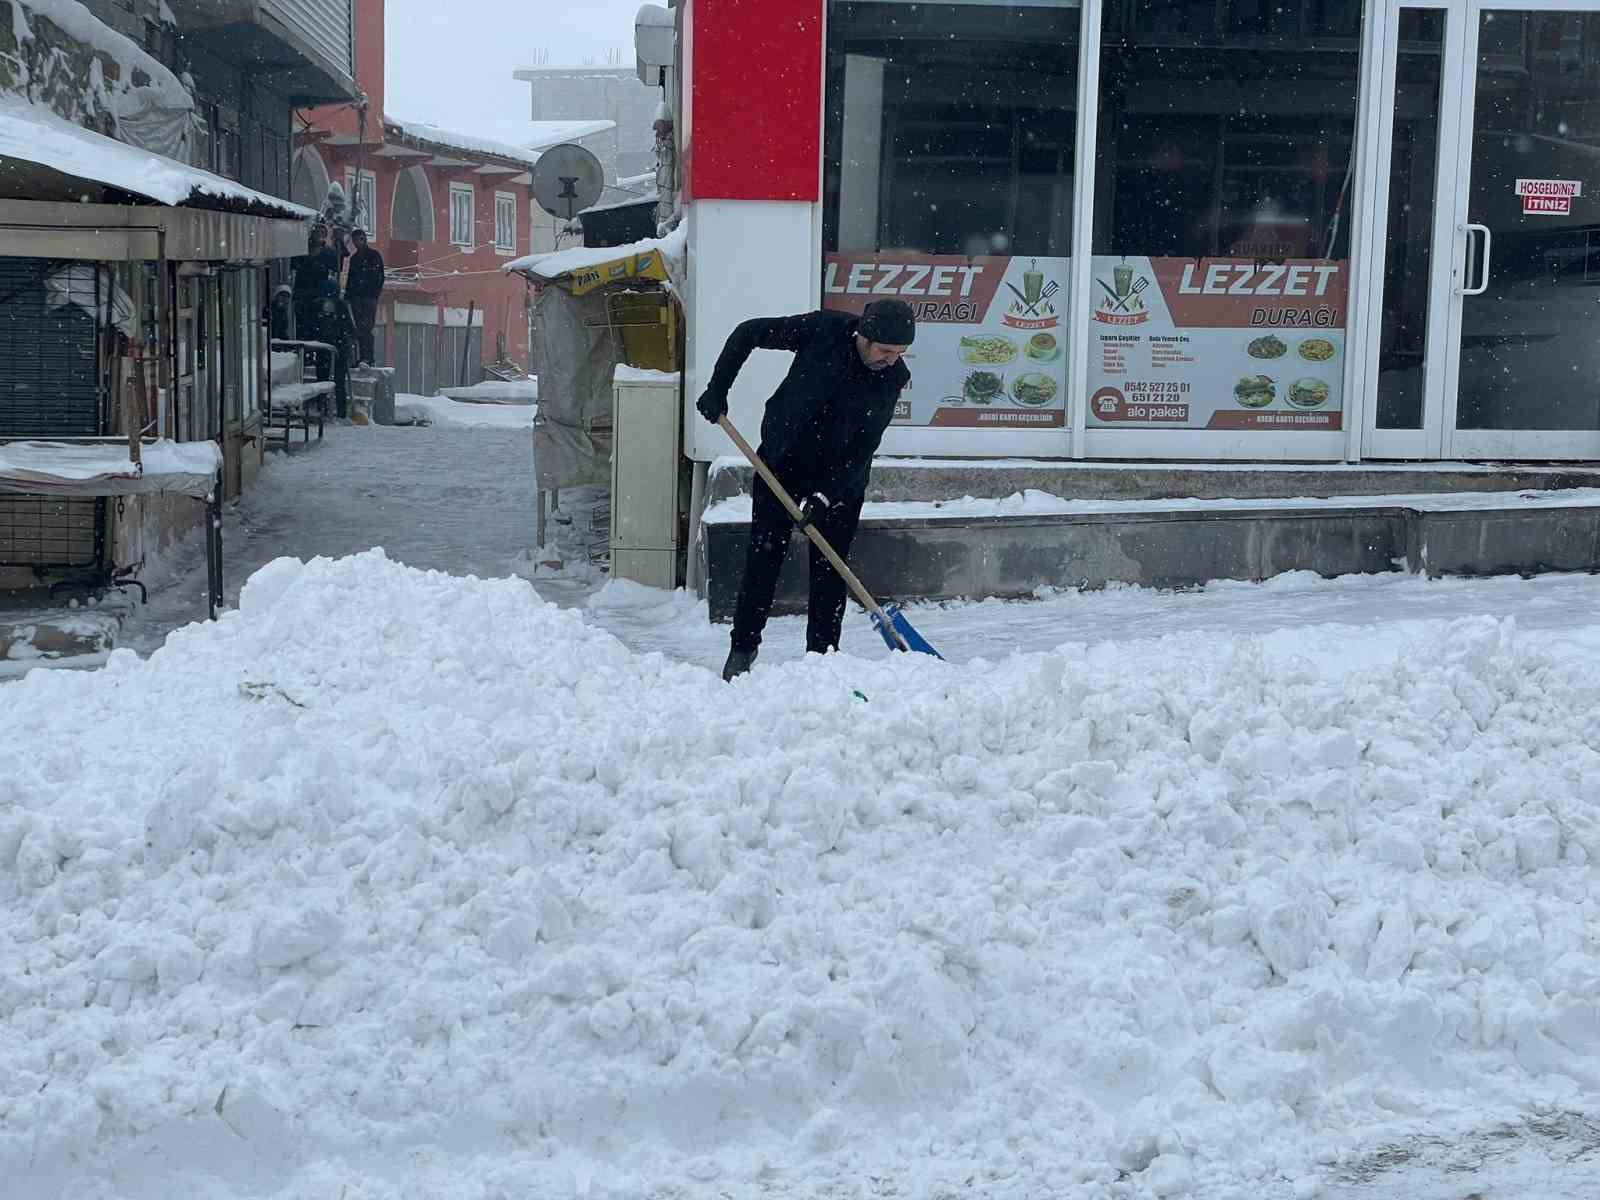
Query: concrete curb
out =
(1014, 556)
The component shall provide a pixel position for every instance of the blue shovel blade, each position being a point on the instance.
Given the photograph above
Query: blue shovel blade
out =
(903, 627)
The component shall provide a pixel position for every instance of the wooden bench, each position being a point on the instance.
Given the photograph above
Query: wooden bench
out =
(293, 401)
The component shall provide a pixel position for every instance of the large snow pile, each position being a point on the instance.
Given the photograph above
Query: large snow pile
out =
(398, 885)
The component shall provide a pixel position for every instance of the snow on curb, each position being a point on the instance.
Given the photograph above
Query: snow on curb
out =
(442, 410)
(405, 882)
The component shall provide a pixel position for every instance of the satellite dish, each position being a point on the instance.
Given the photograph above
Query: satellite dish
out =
(566, 180)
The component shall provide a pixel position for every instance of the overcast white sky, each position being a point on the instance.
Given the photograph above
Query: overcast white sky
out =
(450, 64)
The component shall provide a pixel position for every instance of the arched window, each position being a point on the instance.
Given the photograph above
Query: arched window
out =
(309, 182)
(411, 212)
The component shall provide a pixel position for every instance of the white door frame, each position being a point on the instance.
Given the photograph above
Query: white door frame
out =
(1426, 442)
(1498, 443)
(1453, 244)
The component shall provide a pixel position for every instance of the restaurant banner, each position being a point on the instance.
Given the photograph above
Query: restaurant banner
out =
(991, 335)
(1217, 343)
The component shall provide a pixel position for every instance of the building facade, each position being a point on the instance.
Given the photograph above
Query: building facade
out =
(611, 93)
(137, 259)
(1154, 229)
(447, 210)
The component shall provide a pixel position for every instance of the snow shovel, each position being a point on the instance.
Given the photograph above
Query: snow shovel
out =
(890, 622)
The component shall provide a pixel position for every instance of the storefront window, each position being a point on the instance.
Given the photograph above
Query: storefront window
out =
(949, 183)
(1223, 196)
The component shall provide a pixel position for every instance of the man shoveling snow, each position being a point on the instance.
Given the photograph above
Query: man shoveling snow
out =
(820, 431)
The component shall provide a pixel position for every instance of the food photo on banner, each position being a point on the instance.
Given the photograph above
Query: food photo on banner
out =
(991, 334)
(1217, 343)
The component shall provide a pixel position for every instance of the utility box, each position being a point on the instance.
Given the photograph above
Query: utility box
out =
(647, 421)
(372, 388)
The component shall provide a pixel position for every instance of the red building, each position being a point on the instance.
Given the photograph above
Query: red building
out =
(446, 210)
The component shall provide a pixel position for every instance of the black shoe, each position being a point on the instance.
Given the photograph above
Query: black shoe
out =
(738, 663)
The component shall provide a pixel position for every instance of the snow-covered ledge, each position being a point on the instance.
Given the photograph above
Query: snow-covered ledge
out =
(105, 468)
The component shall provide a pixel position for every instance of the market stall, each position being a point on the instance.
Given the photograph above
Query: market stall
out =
(595, 307)
(96, 467)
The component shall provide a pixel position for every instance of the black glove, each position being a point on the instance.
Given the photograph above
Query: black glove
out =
(712, 406)
(812, 509)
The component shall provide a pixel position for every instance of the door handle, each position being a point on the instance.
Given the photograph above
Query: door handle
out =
(1488, 244)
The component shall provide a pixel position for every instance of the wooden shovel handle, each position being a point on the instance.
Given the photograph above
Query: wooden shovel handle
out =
(821, 543)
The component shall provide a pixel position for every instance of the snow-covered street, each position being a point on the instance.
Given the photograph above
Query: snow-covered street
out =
(363, 838)
(458, 497)
(396, 884)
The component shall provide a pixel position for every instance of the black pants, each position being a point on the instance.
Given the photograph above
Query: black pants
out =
(305, 318)
(770, 527)
(365, 314)
(341, 378)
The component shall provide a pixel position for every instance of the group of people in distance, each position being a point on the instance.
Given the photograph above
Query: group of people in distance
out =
(332, 302)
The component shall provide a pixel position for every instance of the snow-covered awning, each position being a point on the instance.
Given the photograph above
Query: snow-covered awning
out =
(43, 157)
(608, 263)
(105, 468)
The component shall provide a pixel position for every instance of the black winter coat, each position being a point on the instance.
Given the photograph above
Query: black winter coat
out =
(365, 281)
(823, 424)
(312, 270)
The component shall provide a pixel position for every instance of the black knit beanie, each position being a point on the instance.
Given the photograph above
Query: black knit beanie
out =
(889, 323)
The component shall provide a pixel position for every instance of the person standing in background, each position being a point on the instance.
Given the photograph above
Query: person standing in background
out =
(310, 269)
(336, 329)
(363, 286)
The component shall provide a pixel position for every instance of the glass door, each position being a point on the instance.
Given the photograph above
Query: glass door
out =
(1527, 352)
(1485, 336)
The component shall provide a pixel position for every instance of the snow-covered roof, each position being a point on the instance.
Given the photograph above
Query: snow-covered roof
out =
(589, 72)
(467, 143)
(554, 133)
(37, 135)
(78, 23)
(631, 202)
(520, 141)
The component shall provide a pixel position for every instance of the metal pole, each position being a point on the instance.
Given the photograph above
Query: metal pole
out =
(214, 547)
(466, 342)
(165, 342)
(219, 369)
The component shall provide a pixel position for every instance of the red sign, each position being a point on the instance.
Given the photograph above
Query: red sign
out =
(755, 70)
(1555, 205)
(941, 289)
(1273, 420)
(1548, 197)
(1212, 293)
(990, 351)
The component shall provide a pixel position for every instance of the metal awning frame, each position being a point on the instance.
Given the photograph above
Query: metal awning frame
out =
(143, 233)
